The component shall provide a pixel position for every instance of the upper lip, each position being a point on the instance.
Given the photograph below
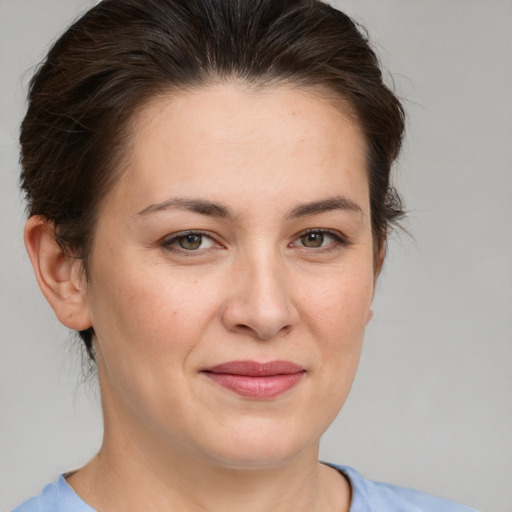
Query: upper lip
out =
(256, 369)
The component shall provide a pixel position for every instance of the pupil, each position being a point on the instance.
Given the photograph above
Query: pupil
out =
(313, 239)
(191, 242)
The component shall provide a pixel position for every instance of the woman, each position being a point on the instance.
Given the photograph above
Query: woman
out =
(209, 196)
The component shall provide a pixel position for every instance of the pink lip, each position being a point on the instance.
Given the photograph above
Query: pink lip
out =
(256, 380)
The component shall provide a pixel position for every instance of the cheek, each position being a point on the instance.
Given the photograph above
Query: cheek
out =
(150, 318)
(148, 311)
(146, 325)
(339, 305)
(337, 314)
(336, 320)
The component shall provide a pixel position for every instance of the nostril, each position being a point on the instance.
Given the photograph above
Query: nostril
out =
(243, 327)
(263, 332)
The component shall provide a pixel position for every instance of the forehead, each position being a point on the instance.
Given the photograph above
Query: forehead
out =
(243, 111)
(232, 140)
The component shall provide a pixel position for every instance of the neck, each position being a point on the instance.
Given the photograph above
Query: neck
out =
(133, 476)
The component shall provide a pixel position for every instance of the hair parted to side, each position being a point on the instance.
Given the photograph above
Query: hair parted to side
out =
(121, 53)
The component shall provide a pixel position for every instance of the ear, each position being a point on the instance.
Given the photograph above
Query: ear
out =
(379, 257)
(378, 261)
(60, 277)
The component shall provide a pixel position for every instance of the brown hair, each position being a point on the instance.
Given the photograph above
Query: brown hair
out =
(123, 52)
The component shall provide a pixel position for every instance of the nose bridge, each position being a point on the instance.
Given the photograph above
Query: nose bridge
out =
(266, 283)
(262, 301)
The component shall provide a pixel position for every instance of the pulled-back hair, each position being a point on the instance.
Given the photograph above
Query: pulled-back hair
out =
(121, 53)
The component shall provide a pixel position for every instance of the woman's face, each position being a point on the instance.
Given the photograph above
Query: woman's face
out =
(231, 275)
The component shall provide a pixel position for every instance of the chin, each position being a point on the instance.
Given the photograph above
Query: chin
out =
(262, 448)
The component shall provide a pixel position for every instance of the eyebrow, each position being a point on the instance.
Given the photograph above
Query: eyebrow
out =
(202, 206)
(205, 207)
(325, 205)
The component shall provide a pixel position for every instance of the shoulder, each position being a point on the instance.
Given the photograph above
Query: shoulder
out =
(368, 496)
(56, 497)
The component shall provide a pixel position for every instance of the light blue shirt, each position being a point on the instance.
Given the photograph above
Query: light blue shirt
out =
(367, 496)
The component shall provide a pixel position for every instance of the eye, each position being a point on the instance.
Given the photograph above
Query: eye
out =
(189, 241)
(313, 239)
(192, 242)
(318, 239)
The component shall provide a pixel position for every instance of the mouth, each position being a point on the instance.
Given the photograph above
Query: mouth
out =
(256, 380)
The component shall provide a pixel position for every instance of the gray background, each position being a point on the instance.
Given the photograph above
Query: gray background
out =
(431, 407)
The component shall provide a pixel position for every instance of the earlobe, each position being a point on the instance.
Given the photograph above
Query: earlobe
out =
(59, 276)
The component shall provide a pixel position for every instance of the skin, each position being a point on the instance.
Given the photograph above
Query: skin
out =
(274, 164)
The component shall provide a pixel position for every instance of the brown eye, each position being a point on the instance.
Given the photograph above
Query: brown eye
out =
(190, 242)
(312, 239)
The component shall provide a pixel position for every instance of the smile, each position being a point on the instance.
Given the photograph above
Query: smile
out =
(256, 380)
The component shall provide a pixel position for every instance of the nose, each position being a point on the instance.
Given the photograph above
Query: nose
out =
(260, 304)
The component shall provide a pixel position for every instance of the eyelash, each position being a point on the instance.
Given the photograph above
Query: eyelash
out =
(170, 241)
(340, 240)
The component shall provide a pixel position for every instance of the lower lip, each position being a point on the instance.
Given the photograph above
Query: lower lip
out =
(268, 386)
